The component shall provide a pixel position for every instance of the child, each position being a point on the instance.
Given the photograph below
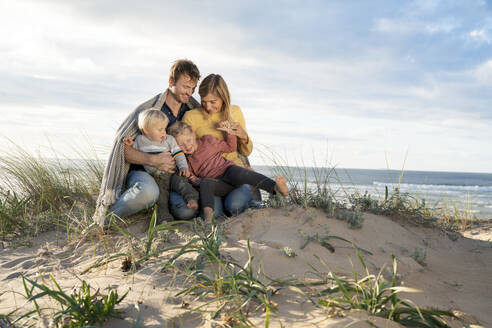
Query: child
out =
(212, 172)
(153, 123)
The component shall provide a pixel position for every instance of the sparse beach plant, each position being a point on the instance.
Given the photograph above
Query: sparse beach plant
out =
(321, 196)
(372, 293)
(276, 201)
(397, 205)
(232, 285)
(5, 320)
(323, 241)
(353, 217)
(206, 243)
(139, 249)
(289, 252)
(83, 307)
(419, 255)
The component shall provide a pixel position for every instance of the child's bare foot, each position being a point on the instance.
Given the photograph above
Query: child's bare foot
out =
(193, 204)
(208, 221)
(208, 214)
(281, 186)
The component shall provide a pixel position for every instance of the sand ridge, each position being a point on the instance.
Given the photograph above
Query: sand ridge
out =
(453, 275)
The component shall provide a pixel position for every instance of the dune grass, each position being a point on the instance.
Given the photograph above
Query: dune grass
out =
(41, 194)
(327, 192)
(82, 308)
(38, 194)
(372, 293)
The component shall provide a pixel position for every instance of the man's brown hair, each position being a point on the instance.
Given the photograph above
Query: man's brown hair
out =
(184, 66)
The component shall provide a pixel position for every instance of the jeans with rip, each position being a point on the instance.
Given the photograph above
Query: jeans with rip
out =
(142, 192)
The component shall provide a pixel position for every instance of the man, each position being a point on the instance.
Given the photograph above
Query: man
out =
(142, 191)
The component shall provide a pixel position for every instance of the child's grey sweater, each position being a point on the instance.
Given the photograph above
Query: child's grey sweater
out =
(169, 144)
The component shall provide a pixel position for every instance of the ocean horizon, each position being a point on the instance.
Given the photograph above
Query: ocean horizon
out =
(465, 191)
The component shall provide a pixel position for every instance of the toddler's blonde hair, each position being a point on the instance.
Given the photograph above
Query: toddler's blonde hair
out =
(148, 117)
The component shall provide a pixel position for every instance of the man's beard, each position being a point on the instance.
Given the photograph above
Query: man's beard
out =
(176, 97)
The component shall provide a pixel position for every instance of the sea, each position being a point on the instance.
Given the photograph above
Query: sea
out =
(469, 193)
(456, 191)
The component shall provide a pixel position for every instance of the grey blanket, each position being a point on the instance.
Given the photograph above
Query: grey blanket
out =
(116, 167)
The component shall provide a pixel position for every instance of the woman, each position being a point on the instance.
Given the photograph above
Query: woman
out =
(216, 107)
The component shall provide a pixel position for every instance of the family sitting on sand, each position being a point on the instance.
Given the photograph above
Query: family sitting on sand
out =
(208, 144)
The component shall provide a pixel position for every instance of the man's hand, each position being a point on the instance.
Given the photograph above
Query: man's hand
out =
(163, 162)
(185, 173)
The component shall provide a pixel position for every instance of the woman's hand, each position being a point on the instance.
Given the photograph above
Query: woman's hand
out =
(233, 128)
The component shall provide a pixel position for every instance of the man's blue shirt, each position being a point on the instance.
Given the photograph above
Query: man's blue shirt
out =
(166, 110)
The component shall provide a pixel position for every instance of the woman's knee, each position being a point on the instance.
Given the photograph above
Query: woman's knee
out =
(184, 213)
(237, 200)
(179, 209)
(235, 207)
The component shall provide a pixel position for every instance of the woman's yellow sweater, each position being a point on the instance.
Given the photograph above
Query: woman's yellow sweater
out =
(203, 123)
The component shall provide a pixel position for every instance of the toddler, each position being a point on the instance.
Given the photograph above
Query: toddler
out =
(152, 124)
(212, 172)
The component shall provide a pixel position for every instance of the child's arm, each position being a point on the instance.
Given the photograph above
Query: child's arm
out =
(227, 146)
(194, 180)
(128, 141)
(178, 156)
(230, 143)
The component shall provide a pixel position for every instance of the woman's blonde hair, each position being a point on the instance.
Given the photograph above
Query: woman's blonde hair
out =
(215, 84)
(148, 117)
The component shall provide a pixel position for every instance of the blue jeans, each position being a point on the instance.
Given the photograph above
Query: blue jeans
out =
(143, 192)
(234, 203)
(237, 201)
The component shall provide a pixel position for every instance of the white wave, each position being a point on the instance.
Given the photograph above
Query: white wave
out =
(438, 187)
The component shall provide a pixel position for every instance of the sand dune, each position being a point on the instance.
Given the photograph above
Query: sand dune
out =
(453, 275)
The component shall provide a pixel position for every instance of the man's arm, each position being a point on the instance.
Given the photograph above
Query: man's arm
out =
(162, 161)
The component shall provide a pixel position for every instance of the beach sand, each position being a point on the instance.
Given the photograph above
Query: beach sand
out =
(454, 275)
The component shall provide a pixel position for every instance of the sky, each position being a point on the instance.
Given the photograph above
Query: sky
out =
(352, 84)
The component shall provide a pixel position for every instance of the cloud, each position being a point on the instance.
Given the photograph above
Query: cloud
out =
(356, 73)
(479, 35)
(483, 72)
